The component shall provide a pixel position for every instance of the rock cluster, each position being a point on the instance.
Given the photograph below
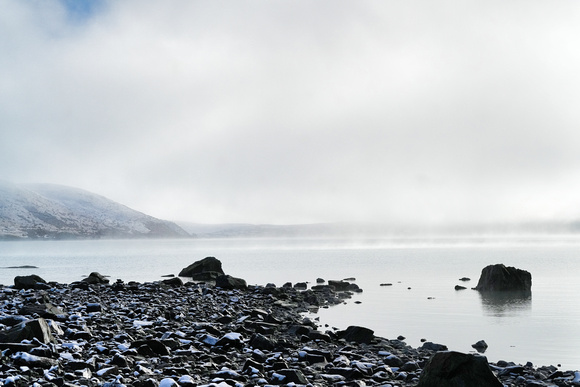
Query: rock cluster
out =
(168, 333)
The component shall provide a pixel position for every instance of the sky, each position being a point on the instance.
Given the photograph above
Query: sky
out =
(298, 111)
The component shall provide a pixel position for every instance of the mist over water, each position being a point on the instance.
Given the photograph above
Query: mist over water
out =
(420, 304)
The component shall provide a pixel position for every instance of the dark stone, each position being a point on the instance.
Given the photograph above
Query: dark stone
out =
(252, 364)
(300, 285)
(298, 330)
(357, 334)
(29, 330)
(12, 320)
(261, 342)
(229, 282)
(230, 340)
(464, 279)
(29, 282)
(148, 347)
(459, 287)
(95, 278)
(94, 307)
(175, 282)
(339, 286)
(208, 264)
(293, 376)
(480, 346)
(26, 359)
(504, 278)
(393, 361)
(45, 310)
(434, 346)
(317, 335)
(455, 369)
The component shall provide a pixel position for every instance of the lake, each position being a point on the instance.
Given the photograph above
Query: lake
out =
(421, 303)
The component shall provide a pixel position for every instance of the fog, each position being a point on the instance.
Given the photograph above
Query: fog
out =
(298, 111)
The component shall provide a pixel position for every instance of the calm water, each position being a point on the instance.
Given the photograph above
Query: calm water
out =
(421, 303)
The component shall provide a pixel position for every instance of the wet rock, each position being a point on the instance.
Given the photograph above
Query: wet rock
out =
(44, 310)
(261, 342)
(28, 360)
(504, 278)
(453, 369)
(30, 282)
(175, 281)
(339, 285)
(95, 278)
(434, 346)
(152, 347)
(29, 330)
(357, 334)
(290, 376)
(94, 307)
(232, 339)
(459, 287)
(480, 346)
(203, 267)
(229, 282)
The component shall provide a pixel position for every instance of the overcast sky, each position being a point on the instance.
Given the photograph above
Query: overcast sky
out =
(298, 111)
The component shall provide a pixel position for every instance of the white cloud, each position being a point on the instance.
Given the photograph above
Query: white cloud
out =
(298, 111)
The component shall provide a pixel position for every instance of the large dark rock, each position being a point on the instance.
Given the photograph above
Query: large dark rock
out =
(504, 278)
(357, 334)
(205, 269)
(455, 369)
(229, 282)
(96, 278)
(28, 330)
(30, 282)
(44, 309)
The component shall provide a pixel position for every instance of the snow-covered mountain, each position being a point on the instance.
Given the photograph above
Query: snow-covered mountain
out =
(58, 212)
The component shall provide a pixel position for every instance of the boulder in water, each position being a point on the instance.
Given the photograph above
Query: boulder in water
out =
(504, 278)
(208, 268)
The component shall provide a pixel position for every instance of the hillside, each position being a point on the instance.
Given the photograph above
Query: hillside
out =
(45, 211)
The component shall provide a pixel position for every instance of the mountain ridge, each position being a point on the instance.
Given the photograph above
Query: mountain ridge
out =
(50, 211)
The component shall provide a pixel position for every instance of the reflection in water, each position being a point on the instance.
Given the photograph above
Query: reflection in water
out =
(506, 303)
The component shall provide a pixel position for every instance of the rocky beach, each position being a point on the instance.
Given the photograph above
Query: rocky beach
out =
(219, 332)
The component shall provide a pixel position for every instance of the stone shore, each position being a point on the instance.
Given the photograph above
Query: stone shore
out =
(170, 333)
